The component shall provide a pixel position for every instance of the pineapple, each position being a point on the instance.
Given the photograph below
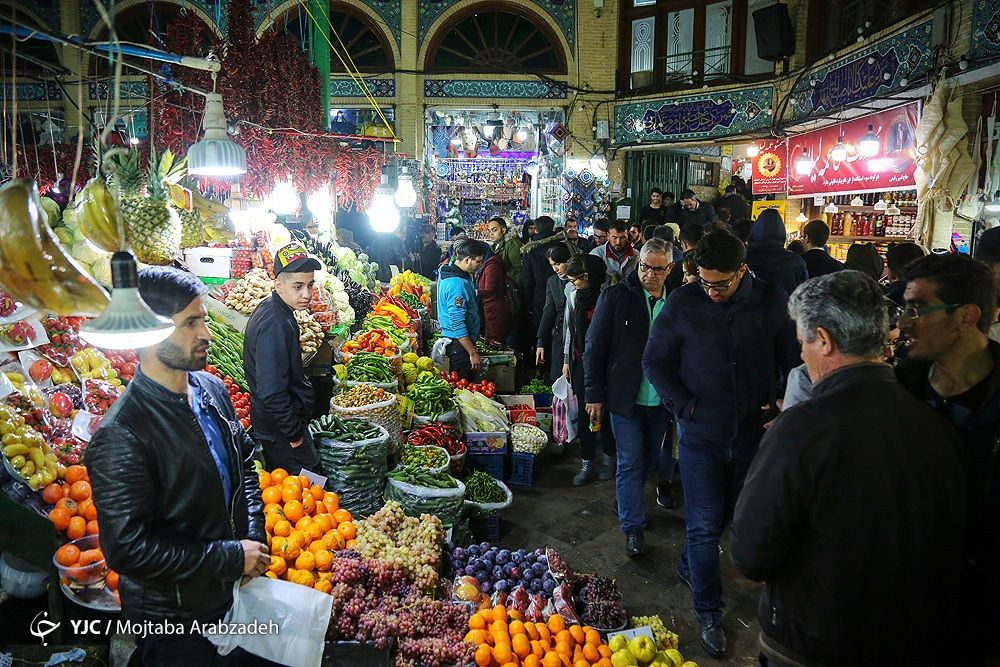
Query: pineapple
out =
(192, 229)
(154, 228)
(126, 181)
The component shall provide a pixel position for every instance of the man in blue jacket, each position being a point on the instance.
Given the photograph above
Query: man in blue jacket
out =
(716, 355)
(458, 308)
(767, 257)
(615, 341)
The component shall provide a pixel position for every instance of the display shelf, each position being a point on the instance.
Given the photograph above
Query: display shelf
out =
(871, 239)
(871, 209)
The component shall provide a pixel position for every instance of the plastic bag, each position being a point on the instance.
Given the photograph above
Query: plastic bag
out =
(439, 352)
(450, 417)
(564, 410)
(447, 504)
(385, 414)
(355, 470)
(519, 600)
(41, 374)
(487, 508)
(301, 614)
(562, 599)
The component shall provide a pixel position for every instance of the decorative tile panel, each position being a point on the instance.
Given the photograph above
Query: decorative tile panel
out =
(711, 115)
(350, 88)
(876, 71)
(389, 11)
(33, 92)
(563, 12)
(46, 10)
(985, 31)
(540, 90)
(130, 90)
(89, 18)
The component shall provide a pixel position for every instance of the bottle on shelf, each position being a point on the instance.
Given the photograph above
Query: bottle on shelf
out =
(878, 226)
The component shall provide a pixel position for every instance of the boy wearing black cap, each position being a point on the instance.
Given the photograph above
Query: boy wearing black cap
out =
(281, 395)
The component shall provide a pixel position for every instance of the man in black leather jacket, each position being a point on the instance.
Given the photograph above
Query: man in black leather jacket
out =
(281, 395)
(174, 482)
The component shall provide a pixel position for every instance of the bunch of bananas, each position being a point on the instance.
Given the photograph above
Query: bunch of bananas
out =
(97, 215)
(34, 269)
(215, 216)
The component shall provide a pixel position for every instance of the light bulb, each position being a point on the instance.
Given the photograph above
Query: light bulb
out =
(320, 203)
(520, 136)
(283, 200)
(134, 140)
(753, 150)
(383, 215)
(406, 196)
(839, 151)
(804, 164)
(869, 144)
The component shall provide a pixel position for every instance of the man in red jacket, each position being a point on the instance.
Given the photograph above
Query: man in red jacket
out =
(491, 288)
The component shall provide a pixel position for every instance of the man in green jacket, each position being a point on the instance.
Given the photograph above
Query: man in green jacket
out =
(508, 247)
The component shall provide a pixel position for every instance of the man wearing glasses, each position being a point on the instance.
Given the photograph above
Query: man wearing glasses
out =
(715, 355)
(613, 357)
(950, 304)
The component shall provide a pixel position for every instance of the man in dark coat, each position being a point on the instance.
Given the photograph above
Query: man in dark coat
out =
(738, 208)
(615, 382)
(767, 257)
(715, 355)
(896, 258)
(550, 329)
(535, 269)
(855, 524)
(691, 210)
(953, 366)
(818, 261)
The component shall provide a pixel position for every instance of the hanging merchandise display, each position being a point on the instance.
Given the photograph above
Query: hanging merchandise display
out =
(586, 196)
(880, 155)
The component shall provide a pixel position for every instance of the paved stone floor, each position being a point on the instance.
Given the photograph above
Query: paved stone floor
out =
(580, 524)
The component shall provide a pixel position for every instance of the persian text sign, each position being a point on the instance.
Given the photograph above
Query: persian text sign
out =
(857, 80)
(892, 167)
(770, 167)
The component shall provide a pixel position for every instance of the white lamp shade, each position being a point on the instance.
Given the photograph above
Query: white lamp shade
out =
(831, 208)
(382, 213)
(216, 154)
(839, 152)
(804, 164)
(406, 196)
(753, 150)
(869, 144)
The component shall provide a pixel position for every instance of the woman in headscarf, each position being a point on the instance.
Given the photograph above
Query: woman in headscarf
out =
(586, 274)
(864, 257)
(491, 288)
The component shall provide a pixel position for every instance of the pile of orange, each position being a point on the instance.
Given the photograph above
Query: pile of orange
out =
(74, 512)
(305, 526)
(505, 639)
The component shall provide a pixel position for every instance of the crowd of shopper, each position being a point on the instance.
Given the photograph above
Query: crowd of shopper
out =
(861, 478)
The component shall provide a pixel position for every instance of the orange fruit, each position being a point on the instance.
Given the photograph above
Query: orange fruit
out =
(333, 540)
(278, 475)
(591, 653)
(347, 530)
(271, 494)
(350, 544)
(320, 508)
(581, 663)
(564, 636)
(476, 637)
(499, 627)
(557, 623)
(509, 664)
(75, 474)
(278, 565)
(531, 660)
(314, 532)
(324, 521)
(477, 622)
(605, 651)
(69, 505)
(292, 480)
(111, 581)
(52, 493)
(502, 653)
(77, 528)
(323, 586)
(308, 504)
(293, 510)
(516, 628)
(536, 649)
(592, 636)
(500, 613)
(531, 630)
(316, 491)
(331, 501)
(87, 509)
(290, 492)
(483, 656)
(274, 508)
(282, 528)
(515, 615)
(269, 522)
(92, 527)
(563, 648)
(579, 636)
(59, 518)
(551, 660)
(605, 662)
(543, 632)
(263, 479)
(304, 482)
(521, 645)
(80, 491)
(324, 560)
(340, 516)
(305, 561)
(90, 556)
(302, 523)
(67, 554)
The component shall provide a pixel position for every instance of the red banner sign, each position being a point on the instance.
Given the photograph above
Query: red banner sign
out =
(770, 167)
(891, 167)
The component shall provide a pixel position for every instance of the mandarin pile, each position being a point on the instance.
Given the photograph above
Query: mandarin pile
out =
(504, 639)
(305, 526)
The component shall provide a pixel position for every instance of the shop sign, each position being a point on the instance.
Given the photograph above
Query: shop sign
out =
(985, 31)
(483, 88)
(759, 206)
(891, 167)
(720, 114)
(770, 168)
(875, 71)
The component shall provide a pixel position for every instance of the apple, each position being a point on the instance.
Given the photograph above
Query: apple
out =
(60, 404)
(40, 371)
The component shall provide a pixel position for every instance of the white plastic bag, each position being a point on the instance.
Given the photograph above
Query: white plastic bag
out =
(563, 390)
(440, 350)
(302, 616)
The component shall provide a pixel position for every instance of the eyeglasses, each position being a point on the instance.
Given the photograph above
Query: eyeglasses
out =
(914, 312)
(718, 287)
(582, 276)
(656, 270)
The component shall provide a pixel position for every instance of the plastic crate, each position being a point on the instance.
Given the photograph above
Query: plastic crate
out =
(486, 529)
(522, 469)
(491, 464)
(486, 442)
(356, 654)
(543, 400)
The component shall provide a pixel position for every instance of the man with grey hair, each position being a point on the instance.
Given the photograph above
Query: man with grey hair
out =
(616, 339)
(853, 511)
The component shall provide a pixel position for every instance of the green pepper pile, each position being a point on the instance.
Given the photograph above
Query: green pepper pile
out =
(369, 367)
(384, 323)
(431, 396)
(343, 430)
(425, 457)
(419, 476)
(361, 395)
(225, 351)
(481, 488)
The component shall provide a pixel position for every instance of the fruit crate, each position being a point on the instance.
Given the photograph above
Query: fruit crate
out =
(491, 464)
(486, 442)
(522, 469)
(486, 528)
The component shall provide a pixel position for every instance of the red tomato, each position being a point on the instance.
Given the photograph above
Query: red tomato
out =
(453, 376)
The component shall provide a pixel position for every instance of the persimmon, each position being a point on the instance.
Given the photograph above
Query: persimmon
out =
(52, 493)
(75, 473)
(111, 581)
(477, 622)
(557, 623)
(502, 653)
(521, 645)
(92, 527)
(90, 556)
(87, 509)
(67, 554)
(77, 528)
(69, 505)
(80, 491)
(483, 656)
(60, 519)
(579, 636)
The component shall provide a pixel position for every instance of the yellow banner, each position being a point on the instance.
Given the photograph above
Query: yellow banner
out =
(758, 207)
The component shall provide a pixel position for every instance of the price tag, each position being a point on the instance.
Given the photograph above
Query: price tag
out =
(318, 480)
(642, 631)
